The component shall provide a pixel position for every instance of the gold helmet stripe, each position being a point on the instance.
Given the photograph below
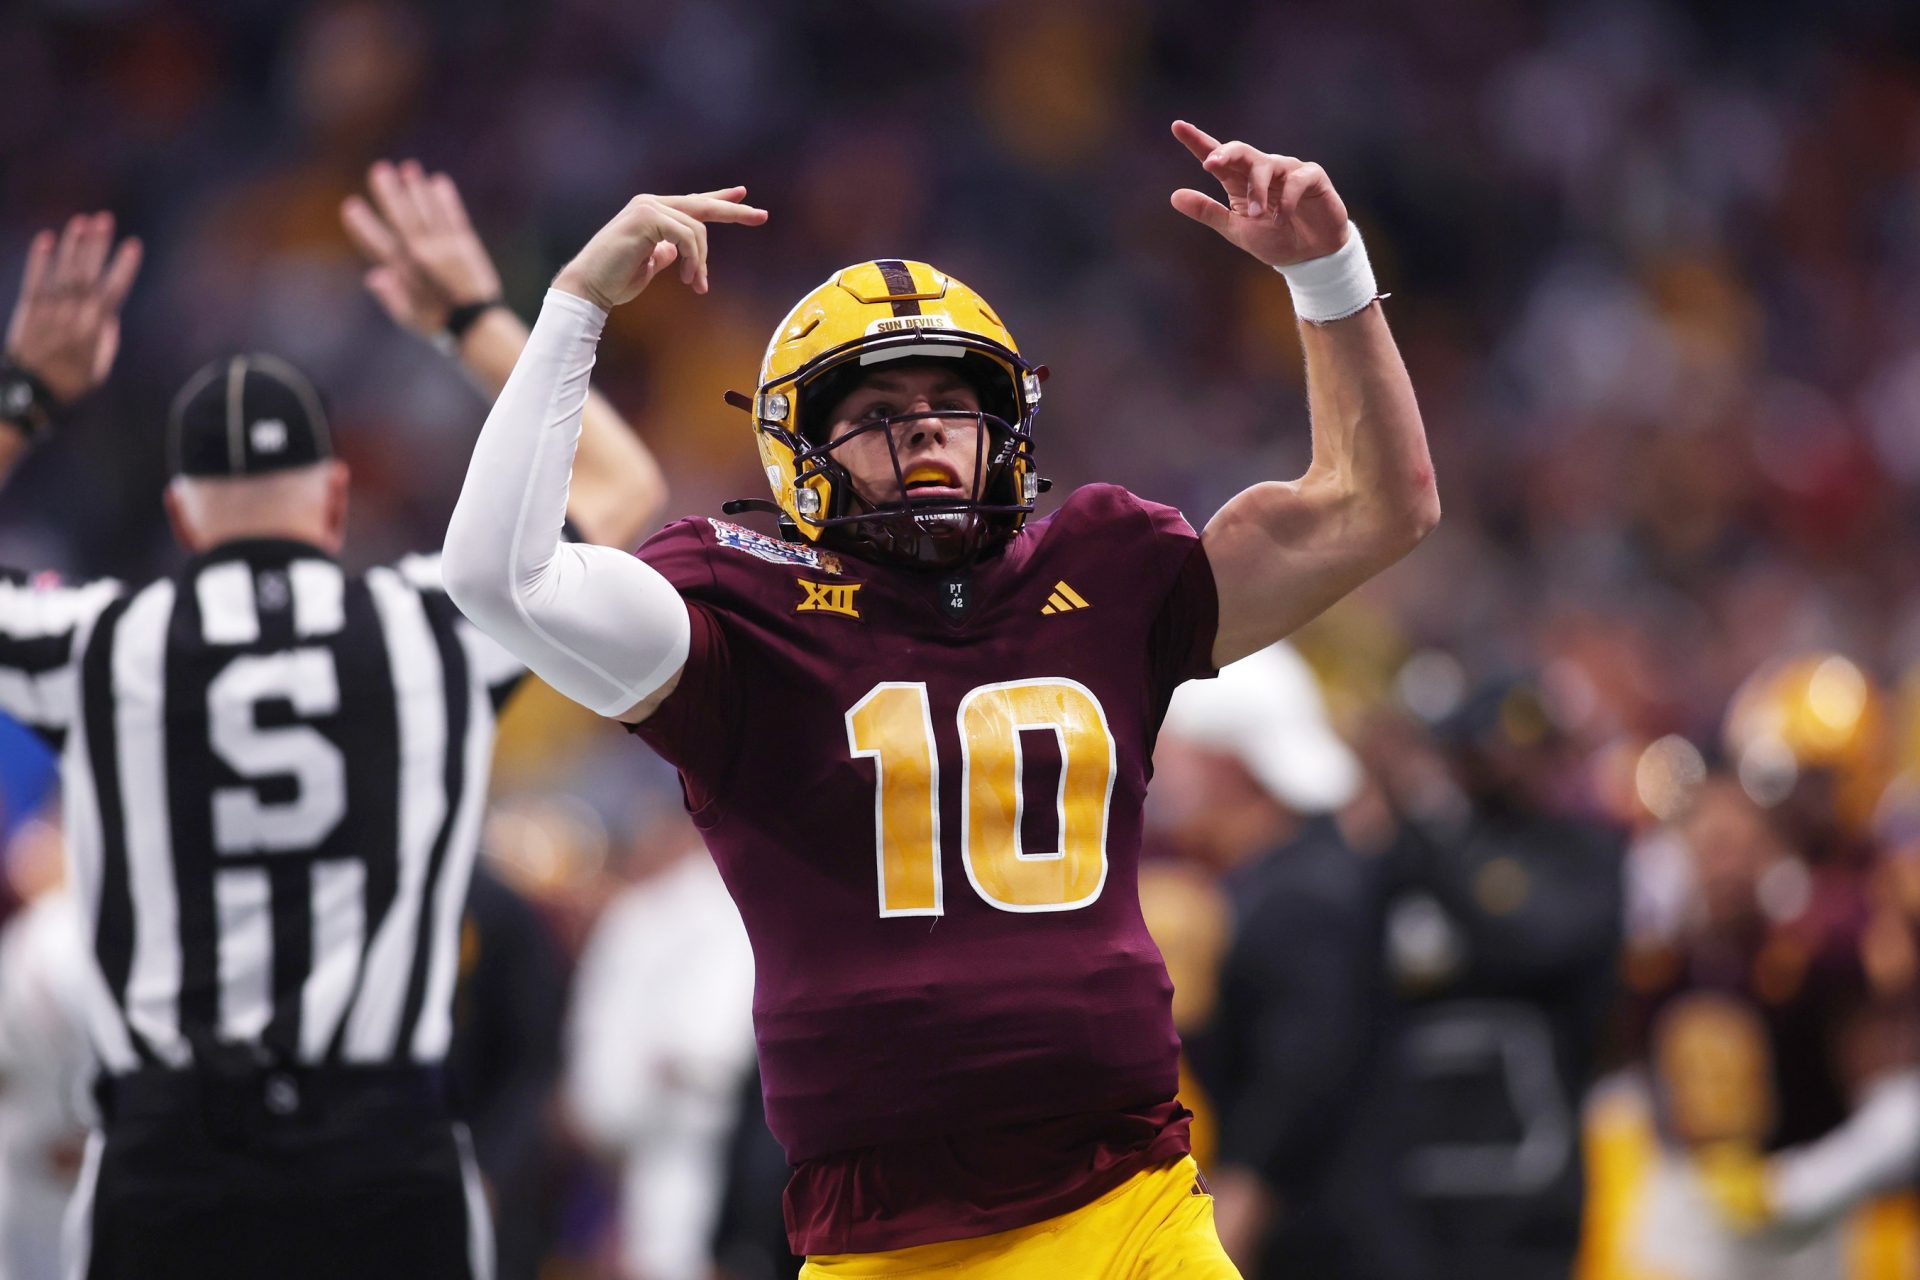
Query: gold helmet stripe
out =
(900, 284)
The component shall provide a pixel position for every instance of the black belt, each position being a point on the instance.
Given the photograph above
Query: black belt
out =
(230, 1101)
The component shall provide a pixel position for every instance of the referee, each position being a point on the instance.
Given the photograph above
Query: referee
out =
(274, 775)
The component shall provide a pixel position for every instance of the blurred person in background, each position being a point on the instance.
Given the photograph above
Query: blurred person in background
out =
(503, 1068)
(937, 1088)
(45, 1062)
(270, 878)
(659, 1045)
(551, 846)
(1778, 1030)
(1294, 1053)
(750, 1236)
(1503, 933)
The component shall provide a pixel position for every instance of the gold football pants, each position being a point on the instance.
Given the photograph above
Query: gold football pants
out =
(1155, 1226)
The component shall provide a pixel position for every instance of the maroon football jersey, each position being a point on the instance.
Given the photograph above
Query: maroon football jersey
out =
(924, 791)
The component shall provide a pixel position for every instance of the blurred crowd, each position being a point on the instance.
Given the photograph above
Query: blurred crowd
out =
(1618, 877)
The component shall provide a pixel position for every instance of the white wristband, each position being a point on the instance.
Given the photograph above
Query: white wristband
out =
(1335, 286)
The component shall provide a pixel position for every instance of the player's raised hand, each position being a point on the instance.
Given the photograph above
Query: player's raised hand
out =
(1279, 209)
(647, 237)
(424, 256)
(65, 328)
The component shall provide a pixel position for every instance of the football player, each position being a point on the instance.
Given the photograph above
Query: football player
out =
(915, 732)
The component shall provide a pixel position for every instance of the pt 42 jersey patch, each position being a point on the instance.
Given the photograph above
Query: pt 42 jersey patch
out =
(772, 550)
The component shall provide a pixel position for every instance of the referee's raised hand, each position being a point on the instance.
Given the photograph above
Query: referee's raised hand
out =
(425, 259)
(65, 328)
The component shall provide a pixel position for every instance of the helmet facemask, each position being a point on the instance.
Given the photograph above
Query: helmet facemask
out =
(938, 531)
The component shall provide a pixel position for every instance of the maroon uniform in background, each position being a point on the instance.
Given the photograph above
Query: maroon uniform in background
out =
(938, 1066)
(1775, 1004)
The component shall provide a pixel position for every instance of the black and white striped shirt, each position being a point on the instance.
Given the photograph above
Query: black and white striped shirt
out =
(274, 777)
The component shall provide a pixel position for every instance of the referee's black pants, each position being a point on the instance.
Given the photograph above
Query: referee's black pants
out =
(279, 1176)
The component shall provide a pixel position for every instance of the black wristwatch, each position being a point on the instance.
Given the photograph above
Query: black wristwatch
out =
(467, 314)
(25, 402)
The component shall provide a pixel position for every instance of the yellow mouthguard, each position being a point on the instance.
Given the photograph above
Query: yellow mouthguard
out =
(934, 474)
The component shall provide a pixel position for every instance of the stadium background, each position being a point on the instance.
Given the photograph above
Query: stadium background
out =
(1656, 272)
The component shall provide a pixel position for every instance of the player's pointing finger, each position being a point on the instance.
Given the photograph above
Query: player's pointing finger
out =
(1196, 140)
(715, 208)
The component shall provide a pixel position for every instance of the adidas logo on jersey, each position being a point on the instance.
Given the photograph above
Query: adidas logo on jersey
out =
(1064, 599)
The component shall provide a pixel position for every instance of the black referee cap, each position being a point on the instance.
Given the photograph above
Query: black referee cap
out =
(246, 416)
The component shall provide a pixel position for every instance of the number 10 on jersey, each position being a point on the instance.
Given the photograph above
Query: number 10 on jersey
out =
(893, 726)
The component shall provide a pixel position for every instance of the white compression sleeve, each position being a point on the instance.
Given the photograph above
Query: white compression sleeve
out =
(599, 625)
(1875, 1149)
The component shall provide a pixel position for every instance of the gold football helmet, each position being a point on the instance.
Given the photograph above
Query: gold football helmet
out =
(864, 315)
